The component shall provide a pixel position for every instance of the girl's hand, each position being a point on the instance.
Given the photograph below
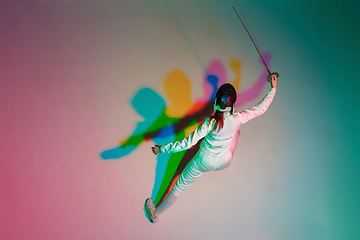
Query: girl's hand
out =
(156, 149)
(273, 81)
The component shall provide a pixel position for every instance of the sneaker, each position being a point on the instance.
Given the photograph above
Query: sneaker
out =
(149, 209)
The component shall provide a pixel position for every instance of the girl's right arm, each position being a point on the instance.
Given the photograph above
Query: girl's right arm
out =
(262, 106)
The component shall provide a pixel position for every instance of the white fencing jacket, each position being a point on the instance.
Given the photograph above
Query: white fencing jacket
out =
(216, 142)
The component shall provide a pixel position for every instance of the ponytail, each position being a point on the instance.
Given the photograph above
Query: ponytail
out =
(219, 120)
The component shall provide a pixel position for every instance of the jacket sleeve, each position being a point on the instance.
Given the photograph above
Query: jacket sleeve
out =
(258, 109)
(201, 131)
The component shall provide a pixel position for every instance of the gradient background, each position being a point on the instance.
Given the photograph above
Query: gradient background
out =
(68, 73)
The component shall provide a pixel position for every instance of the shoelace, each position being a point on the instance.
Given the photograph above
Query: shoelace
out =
(151, 213)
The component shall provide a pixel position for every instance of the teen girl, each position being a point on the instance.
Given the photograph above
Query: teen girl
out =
(220, 133)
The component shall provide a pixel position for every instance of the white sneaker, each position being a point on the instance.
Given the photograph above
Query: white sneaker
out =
(149, 209)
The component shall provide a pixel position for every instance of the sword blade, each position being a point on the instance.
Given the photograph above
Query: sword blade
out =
(252, 41)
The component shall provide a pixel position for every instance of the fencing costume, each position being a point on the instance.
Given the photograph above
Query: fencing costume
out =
(220, 134)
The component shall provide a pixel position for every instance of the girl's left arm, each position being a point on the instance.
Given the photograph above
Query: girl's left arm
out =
(201, 131)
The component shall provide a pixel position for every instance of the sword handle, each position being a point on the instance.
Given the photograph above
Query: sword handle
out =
(269, 77)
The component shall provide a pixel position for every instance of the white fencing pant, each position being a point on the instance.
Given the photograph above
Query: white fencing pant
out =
(203, 162)
(200, 163)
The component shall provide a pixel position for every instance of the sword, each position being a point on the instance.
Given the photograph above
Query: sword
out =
(269, 77)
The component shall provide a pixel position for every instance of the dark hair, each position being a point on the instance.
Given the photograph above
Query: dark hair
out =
(219, 116)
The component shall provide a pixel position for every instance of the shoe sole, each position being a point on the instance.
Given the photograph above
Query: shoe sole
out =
(147, 214)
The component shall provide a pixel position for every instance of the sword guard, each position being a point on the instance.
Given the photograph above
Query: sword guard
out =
(269, 77)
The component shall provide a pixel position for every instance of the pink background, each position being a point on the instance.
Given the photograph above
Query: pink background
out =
(68, 72)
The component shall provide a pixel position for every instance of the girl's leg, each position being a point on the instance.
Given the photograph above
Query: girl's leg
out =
(191, 172)
(225, 160)
(168, 202)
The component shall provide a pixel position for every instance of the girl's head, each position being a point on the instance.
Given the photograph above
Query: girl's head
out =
(224, 102)
(225, 98)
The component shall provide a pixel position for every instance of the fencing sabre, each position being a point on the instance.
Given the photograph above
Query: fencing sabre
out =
(270, 73)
